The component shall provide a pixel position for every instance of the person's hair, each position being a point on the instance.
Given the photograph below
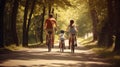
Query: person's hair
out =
(71, 22)
(62, 31)
(50, 15)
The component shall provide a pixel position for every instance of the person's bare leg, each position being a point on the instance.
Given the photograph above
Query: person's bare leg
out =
(69, 42)
(46, 39)
(59, 44)
(52, 40)
(75, 40)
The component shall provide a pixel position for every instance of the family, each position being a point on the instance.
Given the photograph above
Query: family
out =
(51, 25)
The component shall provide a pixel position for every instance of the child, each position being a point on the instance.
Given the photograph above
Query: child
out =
(72, 30)
(62, 38)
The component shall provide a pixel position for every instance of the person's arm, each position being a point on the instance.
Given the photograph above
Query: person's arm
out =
(75, 27)
(55, 22)
(45, 24)
(67, 28)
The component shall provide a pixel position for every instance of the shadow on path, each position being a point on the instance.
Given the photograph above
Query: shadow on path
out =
(39, 57)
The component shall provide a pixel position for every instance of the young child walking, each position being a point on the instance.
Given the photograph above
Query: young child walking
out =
(62, 38)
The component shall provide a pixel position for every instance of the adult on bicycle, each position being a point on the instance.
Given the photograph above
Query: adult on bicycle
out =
(50, 25)
(72, 30)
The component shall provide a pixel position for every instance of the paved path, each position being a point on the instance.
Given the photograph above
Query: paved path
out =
(39, 57)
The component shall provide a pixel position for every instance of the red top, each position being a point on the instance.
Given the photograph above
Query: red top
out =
(50, 23)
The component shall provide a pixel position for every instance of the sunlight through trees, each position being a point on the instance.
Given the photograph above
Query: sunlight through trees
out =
(100, 17)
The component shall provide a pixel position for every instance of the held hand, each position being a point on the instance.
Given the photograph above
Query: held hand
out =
(55, 29)
(44, 28)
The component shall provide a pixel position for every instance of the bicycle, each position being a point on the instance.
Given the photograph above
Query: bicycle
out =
(49, 40)
(72, 44)
(62, 46)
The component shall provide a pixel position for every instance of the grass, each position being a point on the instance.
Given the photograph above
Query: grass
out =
(13, 47)
(102, 51)
(85, 41)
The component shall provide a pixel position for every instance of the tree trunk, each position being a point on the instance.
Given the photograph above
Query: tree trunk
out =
(41, 35)
(2, 6)
(103, 37)
(29, 20)
(94, 18)
(117, 25)
(49, 9)
(106, 33)
(8, 38)
(13, 21)
(95, 21)
(110, 23)
(25, 26)
(25, 41)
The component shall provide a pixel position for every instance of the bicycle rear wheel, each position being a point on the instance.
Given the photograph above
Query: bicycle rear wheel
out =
(63, 46)
(49, 46)
(72, 47)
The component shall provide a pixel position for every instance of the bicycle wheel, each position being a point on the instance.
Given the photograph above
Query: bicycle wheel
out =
(63, 45)
(49, 46)
(72, 46)
(60, 47)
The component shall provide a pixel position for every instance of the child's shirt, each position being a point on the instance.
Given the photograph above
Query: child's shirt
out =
(62, 37)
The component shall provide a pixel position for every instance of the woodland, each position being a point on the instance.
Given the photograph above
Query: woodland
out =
(21, 21)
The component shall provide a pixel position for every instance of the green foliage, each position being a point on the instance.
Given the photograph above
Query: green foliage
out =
(79, 13)
(85, 24)
(32, 38)
(65, 10)
(101, 11)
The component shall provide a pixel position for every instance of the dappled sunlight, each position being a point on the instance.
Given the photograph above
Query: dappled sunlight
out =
(40, 57)
(54, 63)
(25, 23)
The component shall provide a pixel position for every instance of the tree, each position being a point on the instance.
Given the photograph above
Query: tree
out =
(94, 17)
(25, 41)
(107, 31)
(13, 21)
(42, 23)
(117, 24)
(95, 23)
(2, 6)
(25, 26)
(9, 17)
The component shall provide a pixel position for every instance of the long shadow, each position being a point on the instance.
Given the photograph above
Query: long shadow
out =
(34, 55)
(23, 55)
(5, 51)
(6, 55)
(68, 65)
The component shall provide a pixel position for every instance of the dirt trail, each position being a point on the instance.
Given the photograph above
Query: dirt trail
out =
(39, 57)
